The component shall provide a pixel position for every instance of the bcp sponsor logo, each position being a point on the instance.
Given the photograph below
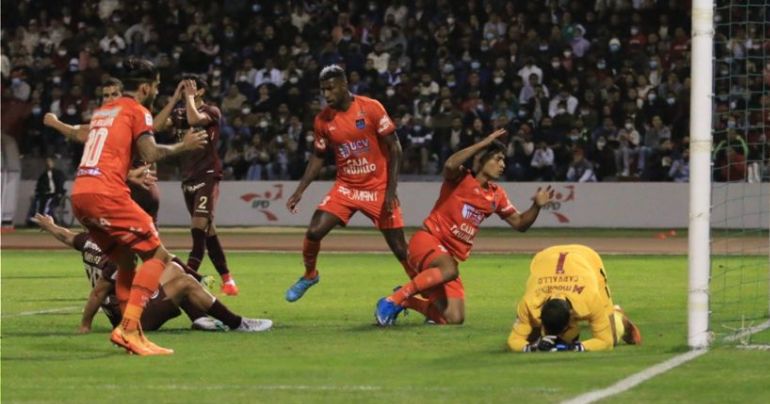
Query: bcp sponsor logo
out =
(262, 201)
(353, 148)
(560, 199)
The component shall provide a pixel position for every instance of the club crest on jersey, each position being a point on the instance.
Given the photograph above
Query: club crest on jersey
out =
(360, 123)
(354, 147)
(472, 214)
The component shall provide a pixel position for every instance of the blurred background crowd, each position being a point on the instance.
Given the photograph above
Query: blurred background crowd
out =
(588, 90)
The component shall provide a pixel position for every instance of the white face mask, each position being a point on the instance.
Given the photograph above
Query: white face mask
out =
(293, 80)
(246, 111)
(629, 126)
(555, 65)
(498, 80)
(71, 111)
(390, 92)
(561, 111)
(309, 138)
(263, 124)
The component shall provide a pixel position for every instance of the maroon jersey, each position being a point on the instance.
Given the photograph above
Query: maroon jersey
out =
(99, 267)
(202, 163)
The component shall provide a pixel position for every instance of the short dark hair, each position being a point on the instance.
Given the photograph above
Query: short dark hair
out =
(137, 72)
(493, 148)
(200, 82)
(332, 72)
(555, 316)
(111, 82)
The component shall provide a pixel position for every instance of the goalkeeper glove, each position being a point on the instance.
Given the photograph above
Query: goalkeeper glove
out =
(577, 346)
(547, 343)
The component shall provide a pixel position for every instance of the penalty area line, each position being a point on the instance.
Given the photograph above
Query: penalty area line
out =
(637, 378)
(46, 311)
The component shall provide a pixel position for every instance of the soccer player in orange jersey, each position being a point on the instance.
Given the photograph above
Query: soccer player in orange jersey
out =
(362, 136)
(466, 199)
(101, 199)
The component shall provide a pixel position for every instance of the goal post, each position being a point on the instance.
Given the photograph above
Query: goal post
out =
(699, 255)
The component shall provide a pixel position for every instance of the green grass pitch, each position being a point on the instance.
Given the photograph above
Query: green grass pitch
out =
(325, 348)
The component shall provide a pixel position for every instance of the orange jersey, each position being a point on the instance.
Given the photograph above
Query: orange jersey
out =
(107, 155)
(354, 135)
(461, 207)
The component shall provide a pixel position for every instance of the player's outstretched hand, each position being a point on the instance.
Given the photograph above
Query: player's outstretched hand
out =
(195, 139)
(391, 202)
(292, 202)
(50, 119)
(143, 176)
(44, 221)
(543, 196)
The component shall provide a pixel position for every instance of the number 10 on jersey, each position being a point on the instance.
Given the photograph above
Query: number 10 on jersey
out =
(93, 148)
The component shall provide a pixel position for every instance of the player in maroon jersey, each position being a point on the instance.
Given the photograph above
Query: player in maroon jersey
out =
(201, 172)
(177, 290)
(362, 136)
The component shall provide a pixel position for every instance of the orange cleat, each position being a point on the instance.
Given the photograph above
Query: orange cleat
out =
(230, 288)
(632, 335)
(134, 342)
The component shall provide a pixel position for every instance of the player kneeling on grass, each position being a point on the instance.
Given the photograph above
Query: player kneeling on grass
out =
(567, 285)
(177, 290)
(466, 199)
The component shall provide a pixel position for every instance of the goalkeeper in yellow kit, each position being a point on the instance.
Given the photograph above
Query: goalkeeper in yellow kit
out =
(567, 285)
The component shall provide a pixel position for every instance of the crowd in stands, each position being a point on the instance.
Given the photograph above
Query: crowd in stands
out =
(588, 90)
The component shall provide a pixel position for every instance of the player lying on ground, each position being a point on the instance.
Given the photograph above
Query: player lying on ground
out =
(362, 137)
(567, 285)
(466, 199)
(177, 290)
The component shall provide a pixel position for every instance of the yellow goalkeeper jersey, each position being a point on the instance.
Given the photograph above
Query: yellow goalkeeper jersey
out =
(576, 273)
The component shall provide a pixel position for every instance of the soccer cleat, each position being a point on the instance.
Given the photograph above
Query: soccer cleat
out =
(632, 335)
(230, 288)
(134, 342)
(386, 312)
(208, 324)
(298, 289)
(207, 281)
(254, 325)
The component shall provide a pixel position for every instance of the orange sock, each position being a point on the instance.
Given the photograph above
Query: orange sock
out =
(426, 308)
(411, 273)
(423, 281)
(144, 285)
(310, 250)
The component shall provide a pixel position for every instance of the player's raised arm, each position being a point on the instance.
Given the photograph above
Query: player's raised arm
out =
(453, 165)
(151, 152)
(78, 133)
(162, 120)
(192, 95)
(523, 221)
(47, 224)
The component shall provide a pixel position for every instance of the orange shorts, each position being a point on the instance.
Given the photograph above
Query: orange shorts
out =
(114, 220)
(343, 201)
(424, 248)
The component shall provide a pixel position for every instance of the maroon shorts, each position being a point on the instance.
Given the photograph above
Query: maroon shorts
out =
(424, 248)
(115, 220)
(201, 196)
(147, 199)
(343, 201)
(160, 309)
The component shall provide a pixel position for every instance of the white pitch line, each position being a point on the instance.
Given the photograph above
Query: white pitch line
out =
(635, 379)
(37, 312)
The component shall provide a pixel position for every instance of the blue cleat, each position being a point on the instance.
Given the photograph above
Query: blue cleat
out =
(386, 312)
(299, 288)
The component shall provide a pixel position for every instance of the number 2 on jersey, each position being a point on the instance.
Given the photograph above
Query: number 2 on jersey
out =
(93, 148)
